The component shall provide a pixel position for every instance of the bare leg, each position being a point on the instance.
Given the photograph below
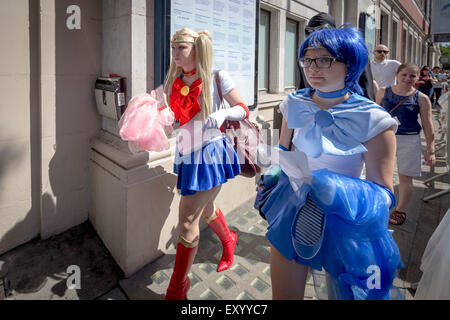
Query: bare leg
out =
(405, 189)
(209, 210)
(288, 277)
(190, 210)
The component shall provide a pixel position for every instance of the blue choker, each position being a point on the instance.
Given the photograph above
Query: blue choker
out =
(333, 94)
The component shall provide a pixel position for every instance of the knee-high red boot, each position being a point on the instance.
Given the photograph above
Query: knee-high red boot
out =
(227, 237)
(180, 282)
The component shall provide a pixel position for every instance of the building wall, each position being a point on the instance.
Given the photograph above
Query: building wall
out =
(70, 64)
(19, 209)
(415, 13)
(47, 74)
(415, 20)
(280, 11)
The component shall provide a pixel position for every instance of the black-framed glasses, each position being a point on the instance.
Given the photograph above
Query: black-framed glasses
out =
(382, 51)
(321, 62)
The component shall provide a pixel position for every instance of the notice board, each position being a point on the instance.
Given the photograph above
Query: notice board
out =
(440, 26)
(234, 27)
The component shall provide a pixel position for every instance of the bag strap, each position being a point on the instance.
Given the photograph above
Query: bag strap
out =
(403, 100)
(290, 142)
(219, 87)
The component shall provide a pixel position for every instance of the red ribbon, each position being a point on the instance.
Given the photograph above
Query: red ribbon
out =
(185, 107)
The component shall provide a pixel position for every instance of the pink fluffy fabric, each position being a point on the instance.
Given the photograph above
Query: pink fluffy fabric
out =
(147, 122)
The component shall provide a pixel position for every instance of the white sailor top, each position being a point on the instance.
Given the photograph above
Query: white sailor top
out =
(334, 138)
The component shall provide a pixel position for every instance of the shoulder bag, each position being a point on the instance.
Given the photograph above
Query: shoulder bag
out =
(244, 135)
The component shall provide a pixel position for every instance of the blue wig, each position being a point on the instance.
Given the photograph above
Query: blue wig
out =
(347, 46)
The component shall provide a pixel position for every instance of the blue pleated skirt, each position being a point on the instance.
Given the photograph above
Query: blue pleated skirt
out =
(206, 168)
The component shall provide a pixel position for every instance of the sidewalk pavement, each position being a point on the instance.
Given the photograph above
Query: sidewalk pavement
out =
(39, 268)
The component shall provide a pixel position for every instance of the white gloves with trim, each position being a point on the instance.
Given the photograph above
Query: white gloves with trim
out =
(216, 119)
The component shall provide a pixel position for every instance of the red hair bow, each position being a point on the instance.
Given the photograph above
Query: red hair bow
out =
(184, 99)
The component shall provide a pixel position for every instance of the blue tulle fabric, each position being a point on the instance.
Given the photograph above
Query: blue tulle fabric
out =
(357, 251)
(206, 168)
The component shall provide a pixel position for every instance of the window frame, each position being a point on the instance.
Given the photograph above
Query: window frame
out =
(296, 45)
(266, 69)
(394, 46)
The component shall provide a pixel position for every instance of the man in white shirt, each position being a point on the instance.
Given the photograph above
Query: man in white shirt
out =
(383, 70)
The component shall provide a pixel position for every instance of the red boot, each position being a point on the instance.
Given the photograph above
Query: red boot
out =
(227, 237)
(180, 282)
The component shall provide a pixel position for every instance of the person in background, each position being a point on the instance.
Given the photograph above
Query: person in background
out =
(323, 20)
(441, 79)
(409, 104)
(446, 84)
(383, 69)
(426, 81)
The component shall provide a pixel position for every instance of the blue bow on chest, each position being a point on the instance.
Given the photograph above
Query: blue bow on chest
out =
(340, 130)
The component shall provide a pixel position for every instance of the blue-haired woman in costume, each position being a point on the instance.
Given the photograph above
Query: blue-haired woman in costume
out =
(336, 221)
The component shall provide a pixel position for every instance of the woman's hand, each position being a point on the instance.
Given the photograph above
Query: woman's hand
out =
(430, 158)
(215, 119)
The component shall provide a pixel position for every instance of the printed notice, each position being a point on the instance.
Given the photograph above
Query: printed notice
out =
(232, 24)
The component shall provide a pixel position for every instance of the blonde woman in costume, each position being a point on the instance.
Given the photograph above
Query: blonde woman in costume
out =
(204, 157)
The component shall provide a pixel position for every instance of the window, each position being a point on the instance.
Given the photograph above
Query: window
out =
(426, 7)
(263, 50)
(424, 53)
(394, 41)
(410, 50)
(420, 53)
(384, 29)
(404, 49)
(291, 46)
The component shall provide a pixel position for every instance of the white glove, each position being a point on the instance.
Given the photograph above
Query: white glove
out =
(216, 119)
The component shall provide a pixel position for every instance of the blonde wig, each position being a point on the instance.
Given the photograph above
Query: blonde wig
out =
(203, 62)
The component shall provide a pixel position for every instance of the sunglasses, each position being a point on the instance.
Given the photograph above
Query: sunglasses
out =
(382, 51)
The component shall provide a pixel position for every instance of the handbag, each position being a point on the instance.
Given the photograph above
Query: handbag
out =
(245, 136)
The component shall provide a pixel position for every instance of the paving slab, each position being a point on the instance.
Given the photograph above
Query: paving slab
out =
(39, 269)
(248, 278)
